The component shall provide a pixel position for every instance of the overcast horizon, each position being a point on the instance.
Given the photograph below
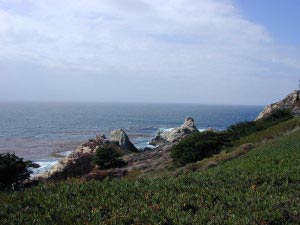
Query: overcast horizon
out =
(235, 52)
(124, 102)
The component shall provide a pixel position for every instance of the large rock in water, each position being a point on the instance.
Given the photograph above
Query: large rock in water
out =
(176, 134)
(122, 138)
(291, 102)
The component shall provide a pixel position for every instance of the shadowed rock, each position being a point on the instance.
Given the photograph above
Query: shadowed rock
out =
(122, 138)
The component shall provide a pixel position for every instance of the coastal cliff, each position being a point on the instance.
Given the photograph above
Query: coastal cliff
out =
(291, 102)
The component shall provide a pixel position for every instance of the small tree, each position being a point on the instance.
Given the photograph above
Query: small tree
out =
(108, 157)
(13, 170)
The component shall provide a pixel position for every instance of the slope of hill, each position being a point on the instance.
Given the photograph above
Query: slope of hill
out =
(259, 187)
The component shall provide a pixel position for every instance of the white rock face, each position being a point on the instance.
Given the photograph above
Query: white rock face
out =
(291, 102)
(176, 134)
(122, 138)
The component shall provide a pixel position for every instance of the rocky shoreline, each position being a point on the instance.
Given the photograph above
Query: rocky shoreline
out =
(79, 162)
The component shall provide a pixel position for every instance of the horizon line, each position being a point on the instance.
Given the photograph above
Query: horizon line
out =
(122, 102)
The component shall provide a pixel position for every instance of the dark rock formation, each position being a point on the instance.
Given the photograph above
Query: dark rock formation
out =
(176, 134)
(122, 138)
(291, 102)
(35, 165)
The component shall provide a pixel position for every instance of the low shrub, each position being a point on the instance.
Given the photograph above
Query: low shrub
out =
(199, 146)
(243, 129)
(275, 117)
(13, 171)
(262, 187)
(107, 157)
(202, 145)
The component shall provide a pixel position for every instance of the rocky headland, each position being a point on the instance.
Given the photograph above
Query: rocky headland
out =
(291, 102)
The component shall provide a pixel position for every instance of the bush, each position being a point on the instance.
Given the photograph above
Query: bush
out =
(243, 129)
(13, 170)
(276, 117)
(202, 145)
(107, 157)
(199, 146)
(262, 188)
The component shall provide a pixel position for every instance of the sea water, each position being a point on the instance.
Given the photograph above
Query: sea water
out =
(46, 132)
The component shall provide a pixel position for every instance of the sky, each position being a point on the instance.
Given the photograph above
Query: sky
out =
(184, 51)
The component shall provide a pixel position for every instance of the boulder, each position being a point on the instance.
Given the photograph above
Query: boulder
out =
(122, 139)
(35, 165)
(176, 134)
(291, 102)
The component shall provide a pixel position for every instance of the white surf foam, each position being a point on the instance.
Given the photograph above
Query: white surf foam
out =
(165, 129)
(44, 165)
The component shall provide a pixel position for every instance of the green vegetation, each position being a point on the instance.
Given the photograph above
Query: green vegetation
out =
(260, 187)
(202, 145)
(199, 146)
(248, 174)
(244, 145)
(13, 170)
(107, 157)
(271, 133)
(243, 129)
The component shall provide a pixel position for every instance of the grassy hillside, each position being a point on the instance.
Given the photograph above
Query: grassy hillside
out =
(272, 132)
(260, 187)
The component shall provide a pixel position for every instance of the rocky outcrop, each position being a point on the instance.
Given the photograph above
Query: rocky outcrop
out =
(92, 144)
(291, 102)
(78, 163)
(149, 162)
(122, 139)
(74, 165)
(176, 134)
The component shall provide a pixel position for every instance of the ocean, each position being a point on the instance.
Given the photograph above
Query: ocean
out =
(46, 132)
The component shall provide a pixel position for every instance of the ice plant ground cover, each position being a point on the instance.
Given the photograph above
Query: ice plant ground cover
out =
(261, 187)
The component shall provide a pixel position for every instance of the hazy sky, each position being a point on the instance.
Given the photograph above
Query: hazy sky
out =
(200, 51)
